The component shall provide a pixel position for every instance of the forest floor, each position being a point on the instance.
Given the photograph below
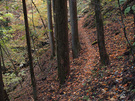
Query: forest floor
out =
(88, 80)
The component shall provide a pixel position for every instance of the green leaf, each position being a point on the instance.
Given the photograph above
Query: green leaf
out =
(122, 1)
(86, 97)
(120, 57)
(133, 90)
(16, 8)
(7, 7)
(133, 8)
(127, 10)
(23, 37)
(134, 44)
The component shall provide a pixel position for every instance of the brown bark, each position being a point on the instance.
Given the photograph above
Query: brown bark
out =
(54, 18)
(134, 26)
(100, 34)
(50, 27)
(74, 28)
(2, 60)
(29, 51)
(1, 82)
(6, 98)
(62, 40)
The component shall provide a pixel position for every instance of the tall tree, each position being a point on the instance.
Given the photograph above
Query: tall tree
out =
(74, 28)
(1, 83)
(50, 27)
(54, 14)
(62, 40)
(29, 50)
(104, 58)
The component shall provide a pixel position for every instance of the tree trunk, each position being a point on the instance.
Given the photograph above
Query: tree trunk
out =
(104, 58)
(54, 18)
(7, 20)
(10, 59)
(1, 82)
(6, 98)
(40, 17)
(50, 27)
(2, 60)
(29, 51)
(74, 28)
(62, 40)
(134, 26)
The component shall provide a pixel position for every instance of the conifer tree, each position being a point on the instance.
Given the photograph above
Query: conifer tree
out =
(62, 40)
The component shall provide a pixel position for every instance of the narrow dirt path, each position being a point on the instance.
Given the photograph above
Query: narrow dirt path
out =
(91, 52)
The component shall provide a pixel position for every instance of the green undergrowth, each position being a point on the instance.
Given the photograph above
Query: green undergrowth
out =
(108, 9)
(14, 38)
(11, 80)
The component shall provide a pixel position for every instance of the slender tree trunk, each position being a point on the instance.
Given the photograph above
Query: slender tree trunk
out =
(1, 82)
(29, 51)
(2, 60)
(10, 59)
(54, 17)
(6, 98)
(40, 17)
(134, 26)
(34, 40)
(50, 27)
(123, 25)
(74, 28)
(124, 30)
(7, 20)
(104, 58)
(62, 40)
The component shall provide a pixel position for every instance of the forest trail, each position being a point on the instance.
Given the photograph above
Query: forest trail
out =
(91, 51)
(47, 83)
(86, 80)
